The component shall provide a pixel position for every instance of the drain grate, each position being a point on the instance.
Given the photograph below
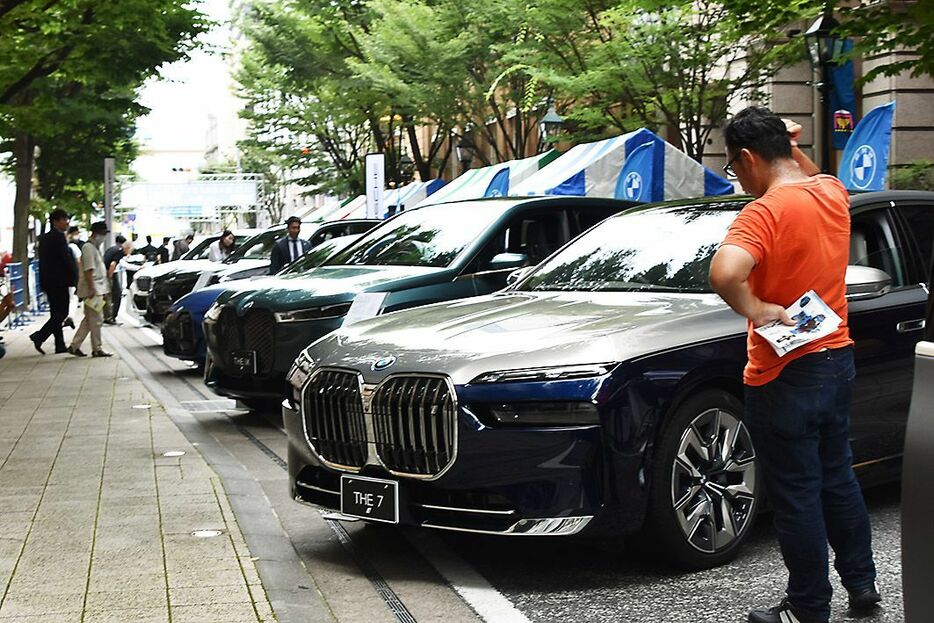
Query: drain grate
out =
(211, 406)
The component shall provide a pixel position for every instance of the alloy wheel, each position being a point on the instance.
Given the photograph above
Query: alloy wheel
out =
(713, 481)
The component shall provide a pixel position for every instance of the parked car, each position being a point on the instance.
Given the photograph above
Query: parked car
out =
(423, 255)
(182, 335)
(142, 282)
(251, 259)
(918, 480)
(603, 391)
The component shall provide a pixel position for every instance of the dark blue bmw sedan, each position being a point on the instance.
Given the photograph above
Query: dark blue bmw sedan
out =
(601, 393)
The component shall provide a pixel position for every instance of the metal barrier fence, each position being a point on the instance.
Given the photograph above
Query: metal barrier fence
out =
(15, 284)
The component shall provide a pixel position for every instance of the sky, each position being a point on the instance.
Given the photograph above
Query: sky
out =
(184, 100)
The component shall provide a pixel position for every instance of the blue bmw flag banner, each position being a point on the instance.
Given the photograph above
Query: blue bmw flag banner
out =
(635, 181)
(866, 157)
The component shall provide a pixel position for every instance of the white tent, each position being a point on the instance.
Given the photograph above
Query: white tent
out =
(493, 181)
(395, 200)
(599, 170)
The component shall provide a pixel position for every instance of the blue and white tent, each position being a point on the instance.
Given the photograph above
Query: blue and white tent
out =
(396, 200)
(639, 165)
(492, 181)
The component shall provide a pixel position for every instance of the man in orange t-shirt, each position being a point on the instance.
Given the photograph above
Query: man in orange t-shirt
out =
(793, 238)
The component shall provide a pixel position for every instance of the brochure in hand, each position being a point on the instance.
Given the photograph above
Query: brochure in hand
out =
(813, 320)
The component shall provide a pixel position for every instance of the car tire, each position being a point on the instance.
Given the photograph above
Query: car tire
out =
(705, 488)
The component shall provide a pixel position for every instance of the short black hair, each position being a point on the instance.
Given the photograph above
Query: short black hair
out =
(149, 239)
(73, 229)
(293, 219)
(165, 239)
(58, 213)
(760, 130)
(190, 237)
(119, 239)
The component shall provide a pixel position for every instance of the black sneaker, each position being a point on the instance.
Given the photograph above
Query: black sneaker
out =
(782, 613)
(866, 599)
(34, 338)
(77, 352)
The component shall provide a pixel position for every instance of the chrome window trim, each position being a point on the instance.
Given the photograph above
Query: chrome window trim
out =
(466, 510)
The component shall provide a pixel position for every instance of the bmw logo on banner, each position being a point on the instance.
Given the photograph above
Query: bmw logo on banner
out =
(633, 186)
(863, 166)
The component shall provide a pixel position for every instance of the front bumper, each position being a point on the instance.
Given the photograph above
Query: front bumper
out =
(504, 481)
(288, 340)
(182, 336)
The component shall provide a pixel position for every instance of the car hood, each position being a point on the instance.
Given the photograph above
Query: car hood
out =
(198, 301)
(334, 284)
(158, 270)
(513, 330)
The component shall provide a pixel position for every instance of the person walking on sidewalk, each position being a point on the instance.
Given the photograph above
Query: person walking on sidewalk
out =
(93, 286)
(58, 272)
(794, 238)
(112, 257)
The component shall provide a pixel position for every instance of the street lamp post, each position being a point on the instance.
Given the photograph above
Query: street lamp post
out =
(549, 126)
(466, 151)
(406, 169)
(823, 48)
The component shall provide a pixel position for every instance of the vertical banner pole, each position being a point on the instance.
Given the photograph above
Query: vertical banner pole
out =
(109, 171)
(375, 183)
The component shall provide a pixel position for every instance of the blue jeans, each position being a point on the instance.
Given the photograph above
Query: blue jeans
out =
(800, 426)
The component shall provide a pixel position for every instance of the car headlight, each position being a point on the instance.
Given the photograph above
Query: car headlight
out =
(314, 313)
(559, 373)
(300, 371)
(213, 312)
(574, 413)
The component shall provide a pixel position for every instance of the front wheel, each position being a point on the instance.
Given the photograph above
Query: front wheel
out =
(705, 488)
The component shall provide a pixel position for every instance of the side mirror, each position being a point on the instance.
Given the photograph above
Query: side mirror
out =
(503, 261)
(518, 275)
(864, 282)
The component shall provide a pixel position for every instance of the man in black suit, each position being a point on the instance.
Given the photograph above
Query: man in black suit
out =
(290, 248)
(58, 271)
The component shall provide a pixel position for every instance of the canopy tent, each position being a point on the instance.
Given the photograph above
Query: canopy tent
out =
(656, 171)
(493, 181)
(334, 212)
(395, 200)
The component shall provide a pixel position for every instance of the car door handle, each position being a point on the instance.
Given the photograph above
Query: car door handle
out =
(910, 325)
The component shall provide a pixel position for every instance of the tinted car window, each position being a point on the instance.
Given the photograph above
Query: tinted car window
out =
(432, 236)
(920, 222)
(201, 251)
(872, 243)
(668, 250)
(258, 247)
(315, 257)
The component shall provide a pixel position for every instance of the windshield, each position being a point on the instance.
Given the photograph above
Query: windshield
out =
(655, 250)
(318, 254)
(259, 247)
(200, 252)
(432, 236)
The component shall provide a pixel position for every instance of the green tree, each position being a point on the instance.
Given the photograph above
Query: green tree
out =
(634, 63)
(69, 70)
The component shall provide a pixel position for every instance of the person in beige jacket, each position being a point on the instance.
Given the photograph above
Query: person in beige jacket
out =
(93, 287)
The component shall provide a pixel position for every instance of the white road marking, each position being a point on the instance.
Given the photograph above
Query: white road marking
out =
(127, 318)
(473, 588)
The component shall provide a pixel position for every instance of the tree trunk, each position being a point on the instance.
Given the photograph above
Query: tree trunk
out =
(23, 153)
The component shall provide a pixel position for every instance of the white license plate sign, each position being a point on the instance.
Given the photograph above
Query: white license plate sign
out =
(370, 498)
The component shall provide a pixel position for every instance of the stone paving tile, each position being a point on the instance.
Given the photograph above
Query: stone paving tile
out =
(94, 522)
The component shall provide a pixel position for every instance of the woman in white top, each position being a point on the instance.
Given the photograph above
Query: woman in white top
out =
(221, 248)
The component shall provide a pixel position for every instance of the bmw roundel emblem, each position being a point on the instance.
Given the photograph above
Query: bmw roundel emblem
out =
(633, 185)
(863, 166)
(383, 362)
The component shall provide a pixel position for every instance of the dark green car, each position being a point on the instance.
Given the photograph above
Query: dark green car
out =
(425, 255)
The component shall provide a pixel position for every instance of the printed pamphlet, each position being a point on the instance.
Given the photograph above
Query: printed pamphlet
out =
(813, 320)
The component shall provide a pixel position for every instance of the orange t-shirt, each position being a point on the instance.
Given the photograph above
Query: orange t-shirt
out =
(799, 236)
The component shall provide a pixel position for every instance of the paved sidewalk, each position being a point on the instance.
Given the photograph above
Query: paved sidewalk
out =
(96, 524)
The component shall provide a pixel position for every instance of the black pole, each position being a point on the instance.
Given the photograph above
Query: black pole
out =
(826, 120)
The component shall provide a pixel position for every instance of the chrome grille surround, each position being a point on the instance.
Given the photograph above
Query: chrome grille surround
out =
(334, 420)
(415, 424)
(390, 442)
